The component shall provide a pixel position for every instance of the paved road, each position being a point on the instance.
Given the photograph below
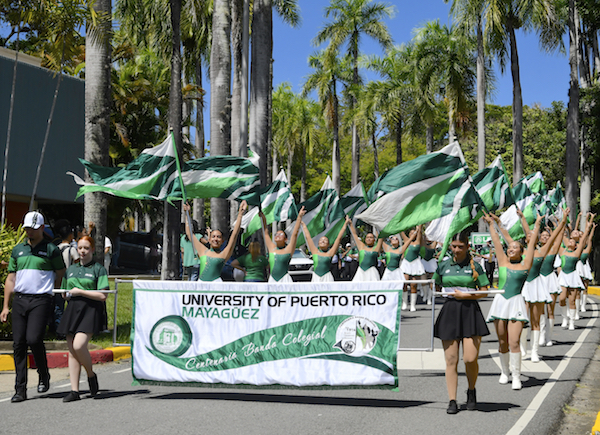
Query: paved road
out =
(418, 406)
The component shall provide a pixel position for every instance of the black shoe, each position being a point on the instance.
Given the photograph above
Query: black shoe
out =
(471, 400)
(71, 397)
(44, 384)
(452, 407)
(20, 396)
(93, 383)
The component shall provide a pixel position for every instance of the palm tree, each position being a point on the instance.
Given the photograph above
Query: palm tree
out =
(261, 72)
(507, 16)
(97, 114)
(306, 125)
(329, 70)
(393, 96)
(352, 19)
(445, 62)
(283, 115)
(572, 146)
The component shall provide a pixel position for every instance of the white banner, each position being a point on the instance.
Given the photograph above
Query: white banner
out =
(300, 334)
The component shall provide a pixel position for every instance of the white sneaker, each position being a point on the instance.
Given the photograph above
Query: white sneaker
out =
(565, 323)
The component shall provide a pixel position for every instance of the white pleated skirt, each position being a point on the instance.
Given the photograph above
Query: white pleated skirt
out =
(430, 266)
(508, 309)
(536, 291)
(584, 270)
(551, 283)
(393, 275)
(412, 268)
(328, 277)
(369, 275)
(570, 280)
(284, 278)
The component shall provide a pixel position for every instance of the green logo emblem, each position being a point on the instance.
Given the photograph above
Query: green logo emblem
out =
(356, 336)
(171, 335)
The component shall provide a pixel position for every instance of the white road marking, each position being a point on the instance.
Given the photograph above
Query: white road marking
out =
(122, 371)
(535, 404)
(5, 400)
(63, 386)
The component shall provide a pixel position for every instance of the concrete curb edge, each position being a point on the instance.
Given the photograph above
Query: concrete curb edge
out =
(61, 358)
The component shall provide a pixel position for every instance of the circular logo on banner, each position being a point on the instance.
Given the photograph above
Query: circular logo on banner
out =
(171, 335)
(356, 336)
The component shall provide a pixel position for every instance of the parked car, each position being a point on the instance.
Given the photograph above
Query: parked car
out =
(140, 251)
(301, 266)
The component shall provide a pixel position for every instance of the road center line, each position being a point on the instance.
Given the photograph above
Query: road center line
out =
(535, 404)
(122, 371)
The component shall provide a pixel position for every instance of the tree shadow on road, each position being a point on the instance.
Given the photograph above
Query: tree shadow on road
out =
(293, 399)
(495, 407)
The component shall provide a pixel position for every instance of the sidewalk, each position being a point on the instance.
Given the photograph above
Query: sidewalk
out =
(58, 355)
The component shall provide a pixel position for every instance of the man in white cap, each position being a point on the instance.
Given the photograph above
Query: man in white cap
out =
(36, 267)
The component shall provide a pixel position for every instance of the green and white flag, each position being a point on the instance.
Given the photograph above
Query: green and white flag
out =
(493, 186)
(417, 191)
(557, 200)
(325, 334)
(277, 203)
(463, 206)
(351, 204)
(154, 175)
(528, 194)
(321, 209)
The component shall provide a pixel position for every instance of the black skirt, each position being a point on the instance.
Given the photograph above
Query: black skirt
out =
(81, 315)
(460, 319)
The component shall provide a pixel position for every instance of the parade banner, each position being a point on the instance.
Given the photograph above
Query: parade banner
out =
(261, 334)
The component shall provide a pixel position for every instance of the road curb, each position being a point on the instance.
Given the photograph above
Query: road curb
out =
(594, 290)
(61, 358)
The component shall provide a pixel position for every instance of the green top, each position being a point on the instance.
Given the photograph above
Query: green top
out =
(392, 260)
(428, 254)
(35, 267)
(569, 263)
(534, 272)
(255, 269)
(452, 274)
(547, 265)
(91, 276)
(412, 252)
(279, 264)
(322, 264)
(584, 257)
(512, 281)
(189, 254)
(367, 259)
(210, 268)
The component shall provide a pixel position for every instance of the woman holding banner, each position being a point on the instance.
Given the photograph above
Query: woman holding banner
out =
(280, 252)
(461, 319)
(84, 315)
(323, 254)
(212, 259)
(368, 253)
(508, 310)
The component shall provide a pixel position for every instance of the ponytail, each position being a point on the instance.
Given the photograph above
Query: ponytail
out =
(475, 274)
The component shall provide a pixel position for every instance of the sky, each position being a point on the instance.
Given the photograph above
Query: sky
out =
(544, 76)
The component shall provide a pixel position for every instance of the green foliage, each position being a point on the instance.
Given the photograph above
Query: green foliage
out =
(9, 238)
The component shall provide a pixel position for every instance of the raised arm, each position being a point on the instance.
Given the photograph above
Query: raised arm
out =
(292, 245)
(333, 249)
(359, 244)
(500, 254)
(309, 241)
(236, 230)
(548, 247)
(199, 247)
(407, 243)
(588, 248)
(270, 245)
(507, 238)
(524, 223)
(588, 229)
(530, 253)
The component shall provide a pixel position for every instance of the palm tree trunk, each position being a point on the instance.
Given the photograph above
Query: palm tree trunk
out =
(335, 158)
(480, 98)
(572, 147)
(451, 124)
(199, 202)
(399, 157)
(262, 24)
(375, 156)
(596, 53)
(517, 107)
(220, 100)
(171, 225)
(289, 163)
(244, 83)
(97, 118)
(429, 139)
(303, 176)
(236, 94)
(355, 141)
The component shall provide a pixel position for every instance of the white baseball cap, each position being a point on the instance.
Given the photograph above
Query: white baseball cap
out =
(34, 220)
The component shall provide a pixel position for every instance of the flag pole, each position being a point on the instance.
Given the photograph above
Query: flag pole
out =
(183, 195)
